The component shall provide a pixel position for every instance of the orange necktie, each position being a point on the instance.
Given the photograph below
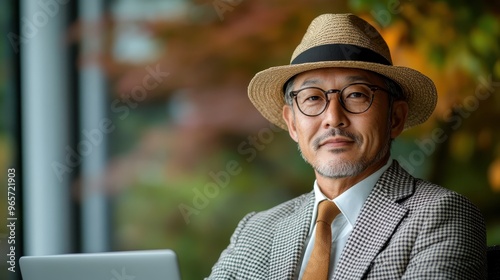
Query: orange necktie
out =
(319, 261)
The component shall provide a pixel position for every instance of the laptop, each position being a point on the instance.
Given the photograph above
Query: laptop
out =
(127, 265)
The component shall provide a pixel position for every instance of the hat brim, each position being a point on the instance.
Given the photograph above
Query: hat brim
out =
(265, 90)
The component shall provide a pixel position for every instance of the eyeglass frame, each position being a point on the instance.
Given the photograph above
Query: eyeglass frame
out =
(372, 87)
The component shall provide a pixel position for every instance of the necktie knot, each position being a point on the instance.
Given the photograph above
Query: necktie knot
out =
(327, 211)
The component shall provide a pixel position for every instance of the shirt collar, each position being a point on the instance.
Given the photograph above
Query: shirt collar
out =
(351, 201)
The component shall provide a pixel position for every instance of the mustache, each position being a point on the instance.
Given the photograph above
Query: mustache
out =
(336, 132)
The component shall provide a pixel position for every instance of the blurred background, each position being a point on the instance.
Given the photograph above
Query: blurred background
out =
(129, 128)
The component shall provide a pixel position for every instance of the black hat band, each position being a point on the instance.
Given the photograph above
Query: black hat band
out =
(339, 52)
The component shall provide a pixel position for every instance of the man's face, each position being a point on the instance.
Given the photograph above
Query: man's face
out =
(340, 144)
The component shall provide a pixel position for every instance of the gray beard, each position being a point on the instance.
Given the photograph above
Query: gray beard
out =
(344, 169)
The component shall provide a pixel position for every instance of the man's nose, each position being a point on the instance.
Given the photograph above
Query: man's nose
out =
(334, 114)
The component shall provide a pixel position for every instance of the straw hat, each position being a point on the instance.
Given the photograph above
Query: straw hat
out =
(342, 40)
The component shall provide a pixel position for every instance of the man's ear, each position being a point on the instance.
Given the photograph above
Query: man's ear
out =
(289, 117)
(398, 118)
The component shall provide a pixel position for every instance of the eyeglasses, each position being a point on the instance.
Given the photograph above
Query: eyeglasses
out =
(354, 98)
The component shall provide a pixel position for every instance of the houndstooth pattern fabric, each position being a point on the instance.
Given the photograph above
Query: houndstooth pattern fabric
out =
(407, 229)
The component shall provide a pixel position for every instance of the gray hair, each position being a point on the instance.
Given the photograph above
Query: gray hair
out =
(288, 90)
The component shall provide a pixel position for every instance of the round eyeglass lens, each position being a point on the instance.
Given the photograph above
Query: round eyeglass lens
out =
(355, 98)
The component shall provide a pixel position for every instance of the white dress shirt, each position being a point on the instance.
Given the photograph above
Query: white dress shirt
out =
(349, 203)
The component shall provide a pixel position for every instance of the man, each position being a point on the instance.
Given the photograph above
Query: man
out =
(343, 102)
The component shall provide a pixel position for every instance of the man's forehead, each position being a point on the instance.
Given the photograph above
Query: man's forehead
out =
(348, 75)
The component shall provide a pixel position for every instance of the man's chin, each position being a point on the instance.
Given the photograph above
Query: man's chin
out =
(340, 169)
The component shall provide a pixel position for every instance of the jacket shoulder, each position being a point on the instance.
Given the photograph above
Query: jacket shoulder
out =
(410, 191)
(251, 243)
(284, 209)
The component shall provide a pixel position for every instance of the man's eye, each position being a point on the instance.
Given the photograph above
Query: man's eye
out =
(357, 95)
(314, 98)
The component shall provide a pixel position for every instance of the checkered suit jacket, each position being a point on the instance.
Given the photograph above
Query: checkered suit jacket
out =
(408, 229)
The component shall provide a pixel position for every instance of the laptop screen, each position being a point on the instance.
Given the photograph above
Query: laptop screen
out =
(127, 265)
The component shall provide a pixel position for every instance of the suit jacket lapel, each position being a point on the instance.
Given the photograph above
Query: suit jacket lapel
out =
(289, 240)
(376, 223)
